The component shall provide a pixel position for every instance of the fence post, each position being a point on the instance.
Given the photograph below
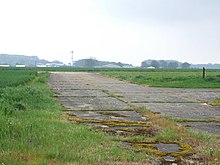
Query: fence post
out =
(203, 72)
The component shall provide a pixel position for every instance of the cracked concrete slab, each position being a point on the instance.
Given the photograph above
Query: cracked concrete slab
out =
(209, 127)
(155, 98)
(184, 110)
(72, 86)
(93, 103)
(79, 93)
(109, 115)
(91, 91)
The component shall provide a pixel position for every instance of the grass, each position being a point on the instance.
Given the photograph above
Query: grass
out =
(12, 77)
(170, 78)
(33, 131)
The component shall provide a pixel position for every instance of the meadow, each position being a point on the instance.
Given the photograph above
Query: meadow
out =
(33, 129)
(15, 77)
(191, 78)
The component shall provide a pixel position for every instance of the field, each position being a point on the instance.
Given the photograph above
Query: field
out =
(33, 129)
(15, 77)
(170, 78)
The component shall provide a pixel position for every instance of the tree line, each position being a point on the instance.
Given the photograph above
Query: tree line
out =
(171, 64)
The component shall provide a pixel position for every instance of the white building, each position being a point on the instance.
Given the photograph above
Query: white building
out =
(20, 66)
(4, 65)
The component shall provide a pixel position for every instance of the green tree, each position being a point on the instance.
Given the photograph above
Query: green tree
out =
(144, 64)
(173, 65)
(90, 63)
(163, 64)
(155, 64)
(185, 65)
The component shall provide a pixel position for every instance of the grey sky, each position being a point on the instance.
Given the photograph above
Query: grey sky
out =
(129, 31)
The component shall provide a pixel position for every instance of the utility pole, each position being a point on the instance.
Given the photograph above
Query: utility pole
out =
(72, 57)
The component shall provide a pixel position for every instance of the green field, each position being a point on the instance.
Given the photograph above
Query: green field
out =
(170, 78)
(33, 129)
(13, 77)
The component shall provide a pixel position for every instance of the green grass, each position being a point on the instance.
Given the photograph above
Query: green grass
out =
(170, 78)
(12, 77)
(167, 134)
(33, 131)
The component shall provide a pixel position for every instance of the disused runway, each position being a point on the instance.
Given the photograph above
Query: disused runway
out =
(80, 91)
(109, 104)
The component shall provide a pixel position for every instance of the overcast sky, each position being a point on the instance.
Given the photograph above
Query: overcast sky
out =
(128, 31)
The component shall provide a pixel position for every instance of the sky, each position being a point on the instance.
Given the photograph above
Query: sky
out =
(128, 31)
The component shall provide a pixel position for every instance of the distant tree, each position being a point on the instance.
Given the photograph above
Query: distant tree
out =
(144, 64)
(155, 64)
(90, 63)
(163, 64)
(56, 61)
(185, 65)
(173, 65)
(120, 64)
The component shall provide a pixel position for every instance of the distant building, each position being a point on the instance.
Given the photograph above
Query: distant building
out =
(19, 66)
(53, 64)
(150, 67)
(110, 66)
(41, 65)
(128, 66)
(4, 65)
